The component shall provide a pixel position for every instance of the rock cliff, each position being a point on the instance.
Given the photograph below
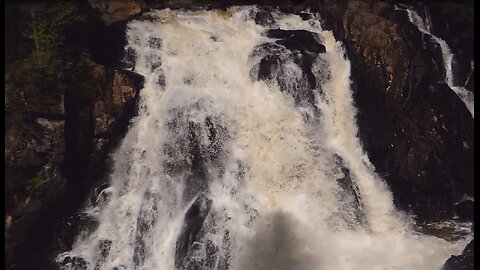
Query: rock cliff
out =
(417, 132)
(61, 149)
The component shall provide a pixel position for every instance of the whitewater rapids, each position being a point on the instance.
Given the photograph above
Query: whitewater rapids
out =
(269, 174)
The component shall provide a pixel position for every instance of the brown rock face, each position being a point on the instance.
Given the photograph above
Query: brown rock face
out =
(378, 42)
(416, 131)
(49, 165)
(115, 106)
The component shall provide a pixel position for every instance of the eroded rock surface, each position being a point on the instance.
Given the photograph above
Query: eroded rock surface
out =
(416, 131)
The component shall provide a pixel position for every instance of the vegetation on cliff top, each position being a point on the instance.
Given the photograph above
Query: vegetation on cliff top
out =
(41, 64)
(38, 63)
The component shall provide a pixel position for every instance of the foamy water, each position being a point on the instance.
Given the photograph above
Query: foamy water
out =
(272, 177)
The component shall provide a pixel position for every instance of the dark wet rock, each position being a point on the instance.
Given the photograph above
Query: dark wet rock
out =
(458, 29)
(65, 231)
(264, 17)
(104, 250)
(434, 51)
(416, 131)
(154, 42)
(274, 66)
(75, 263)
(305, 16)
(352, 210)
(297, 40)
(104, 247)
(129, 58)
(470, 84)
(461, 69)
(196, 149)
(465, 210)
(100, 195)
(197, 177)
(193, 222)
(154, 61)
(204, 253)
(465, 261)
(298, 47)
(110, 113)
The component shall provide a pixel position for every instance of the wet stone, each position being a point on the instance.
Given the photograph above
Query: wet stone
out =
(264, 18)
(465, 261)
(130, 58)
(464, 210)
(194, 219)
(301, 40)
(104, 249)
(154, 42)
(74, 263)
(66, 230)
(101, 195)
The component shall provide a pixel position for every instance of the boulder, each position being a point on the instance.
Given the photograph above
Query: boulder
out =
(289, 51)
(464, 261)
(193, 222)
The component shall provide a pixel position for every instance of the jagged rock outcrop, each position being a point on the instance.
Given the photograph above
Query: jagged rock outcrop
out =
(50, 165)
(464, 261)
(298, 48)
(115, 107)
(416, 131)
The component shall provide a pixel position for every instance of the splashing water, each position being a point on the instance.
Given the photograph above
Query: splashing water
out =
(220, 170)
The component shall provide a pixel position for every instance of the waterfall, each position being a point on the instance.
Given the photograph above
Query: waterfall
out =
(424, 26)
(245, 155)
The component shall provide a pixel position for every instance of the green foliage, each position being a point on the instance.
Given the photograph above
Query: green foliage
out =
(35, 185)
(48, 25)
(28, 82)
(39, 76)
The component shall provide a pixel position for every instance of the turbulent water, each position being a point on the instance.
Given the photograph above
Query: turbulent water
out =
(425, 27)
(224, 168)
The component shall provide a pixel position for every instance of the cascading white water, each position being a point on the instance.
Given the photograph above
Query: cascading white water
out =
(273, 178)
(425, 27)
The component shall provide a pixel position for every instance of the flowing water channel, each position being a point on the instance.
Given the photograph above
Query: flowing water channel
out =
(245, 155)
